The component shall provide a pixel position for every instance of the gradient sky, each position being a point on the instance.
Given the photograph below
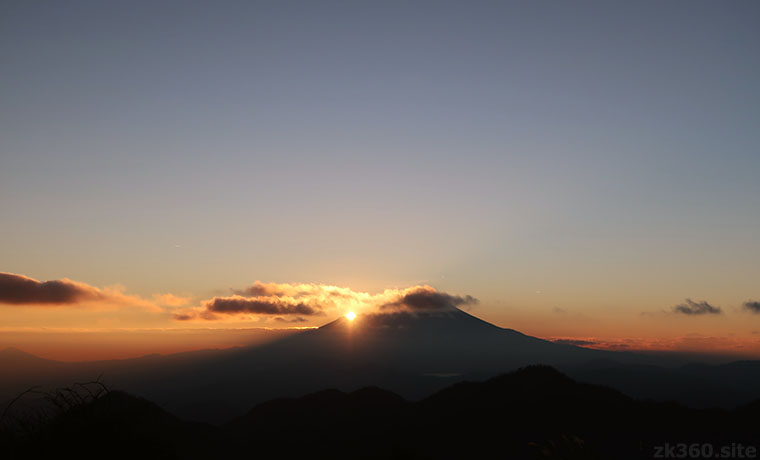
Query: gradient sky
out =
(579, 167)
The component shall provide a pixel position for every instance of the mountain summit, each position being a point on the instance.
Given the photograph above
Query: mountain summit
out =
(412, 353)
(447, 342)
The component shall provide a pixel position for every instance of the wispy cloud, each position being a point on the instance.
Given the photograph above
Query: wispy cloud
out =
(297, 319)
(727, 345)
(171, 300)
(752, 306)
(689, 307)
(576, 342)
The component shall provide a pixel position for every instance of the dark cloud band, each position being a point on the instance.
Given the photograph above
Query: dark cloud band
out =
(576, 342)
(260, 306)
(752, 306)
(22, 290)
(424, 298)
(689, 307)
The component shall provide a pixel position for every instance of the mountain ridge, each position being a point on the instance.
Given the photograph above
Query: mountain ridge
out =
(411, 354)
(533, 412)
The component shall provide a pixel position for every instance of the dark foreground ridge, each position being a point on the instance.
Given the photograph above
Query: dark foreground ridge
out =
(412, 355)
(535, 412)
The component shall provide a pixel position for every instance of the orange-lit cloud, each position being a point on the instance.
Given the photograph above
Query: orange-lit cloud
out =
(171, 300)
(701, 343)
(280, 300)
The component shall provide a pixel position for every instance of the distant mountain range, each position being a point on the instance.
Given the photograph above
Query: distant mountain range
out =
(412, 354)
(536, 412)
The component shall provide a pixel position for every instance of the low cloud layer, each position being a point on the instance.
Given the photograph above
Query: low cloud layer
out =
(752, 306)
(286, 302)
(689, 307)
(576, 342)
(733, 346)
(297, 319)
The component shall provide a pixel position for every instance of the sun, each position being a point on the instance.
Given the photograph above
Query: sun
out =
(350, 316)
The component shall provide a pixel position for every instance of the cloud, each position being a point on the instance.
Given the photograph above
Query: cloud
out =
(280, 300)
(170, 300)
(576, 342)
(297, 319)
(689, 307)
(184, 316)
(725, 345)
(259, 305)
(22, 290)
(264, 289)
(323, 292)
(752, 306)
(427, 298)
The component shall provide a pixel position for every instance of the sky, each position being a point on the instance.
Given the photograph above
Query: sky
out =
(585, 170)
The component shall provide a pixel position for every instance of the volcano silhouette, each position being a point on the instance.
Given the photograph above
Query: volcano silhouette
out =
(440, 343)
(411, 353)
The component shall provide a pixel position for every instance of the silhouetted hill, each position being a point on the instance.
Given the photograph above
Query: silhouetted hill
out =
(26, 364)
(14, 356)
(116, 426)
(695, 385)
(412, 354)
(536, 412)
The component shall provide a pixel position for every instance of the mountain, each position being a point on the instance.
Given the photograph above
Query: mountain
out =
(23, 361)
(116, 425)
(535, 412)
(694, 384)
(23, 370)
(411, 354)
